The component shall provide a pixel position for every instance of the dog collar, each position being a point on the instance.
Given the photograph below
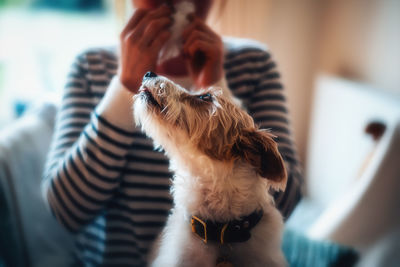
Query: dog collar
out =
(226, 232)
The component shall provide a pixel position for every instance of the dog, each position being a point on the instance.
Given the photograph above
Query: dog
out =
(223, 169)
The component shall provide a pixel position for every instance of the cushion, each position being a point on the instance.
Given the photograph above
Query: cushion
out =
(301, 251)
(35, 238)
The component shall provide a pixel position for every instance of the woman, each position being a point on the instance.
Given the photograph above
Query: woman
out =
(103, 180)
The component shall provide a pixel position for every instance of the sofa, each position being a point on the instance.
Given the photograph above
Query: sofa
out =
(30, 236)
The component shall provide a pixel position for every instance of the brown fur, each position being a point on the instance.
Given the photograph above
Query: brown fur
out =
(223, 169)
(219, 128)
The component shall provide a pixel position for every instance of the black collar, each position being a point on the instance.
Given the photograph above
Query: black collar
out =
(226, 232)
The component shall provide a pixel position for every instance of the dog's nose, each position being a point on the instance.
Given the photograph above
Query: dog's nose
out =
(149, 74)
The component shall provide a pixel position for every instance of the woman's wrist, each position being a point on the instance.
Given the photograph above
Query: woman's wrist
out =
(128, 82)
(116, 105)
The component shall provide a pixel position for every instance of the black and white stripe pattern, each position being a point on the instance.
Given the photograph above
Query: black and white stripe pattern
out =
(110, 187)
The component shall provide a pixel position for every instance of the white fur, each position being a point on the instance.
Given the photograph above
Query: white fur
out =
(220, 190)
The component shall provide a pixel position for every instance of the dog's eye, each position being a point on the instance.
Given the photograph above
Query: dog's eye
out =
(206, 97)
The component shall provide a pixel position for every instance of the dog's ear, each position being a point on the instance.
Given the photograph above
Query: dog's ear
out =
(260, 150)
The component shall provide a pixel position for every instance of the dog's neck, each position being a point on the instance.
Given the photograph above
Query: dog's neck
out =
(216, 190)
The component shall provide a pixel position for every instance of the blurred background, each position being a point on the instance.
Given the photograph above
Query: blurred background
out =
(353, 39)
(339, 60)
(38, 41)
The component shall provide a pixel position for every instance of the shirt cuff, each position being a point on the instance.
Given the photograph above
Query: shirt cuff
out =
(116, 106)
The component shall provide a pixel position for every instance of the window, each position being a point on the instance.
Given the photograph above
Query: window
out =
(38, 42)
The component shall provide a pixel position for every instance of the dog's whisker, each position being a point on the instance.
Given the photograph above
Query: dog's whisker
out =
(223, 169)
(165, 109)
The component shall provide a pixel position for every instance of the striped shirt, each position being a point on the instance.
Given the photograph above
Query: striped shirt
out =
(106, 183)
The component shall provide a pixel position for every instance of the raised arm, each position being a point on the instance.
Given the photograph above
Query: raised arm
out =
(92, 138)
(89, 145)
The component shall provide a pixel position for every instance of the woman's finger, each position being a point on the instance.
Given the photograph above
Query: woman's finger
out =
(199, 25)
(213, 49)
(198, 35)
(159, 41)
(203, 46)
(163, 11)
(133, 21)
(153, 30)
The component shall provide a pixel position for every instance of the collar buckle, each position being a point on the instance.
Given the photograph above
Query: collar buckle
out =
(196, 230)
(225, 232)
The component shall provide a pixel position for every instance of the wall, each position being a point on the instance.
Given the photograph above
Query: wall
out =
(290, 29)
(355, 39)
(360, 41)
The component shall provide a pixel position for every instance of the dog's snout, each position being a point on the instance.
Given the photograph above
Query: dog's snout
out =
(149, 74)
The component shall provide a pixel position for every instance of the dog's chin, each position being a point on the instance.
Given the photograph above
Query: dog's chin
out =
(147, 96)
(147, 113)
(141, 110)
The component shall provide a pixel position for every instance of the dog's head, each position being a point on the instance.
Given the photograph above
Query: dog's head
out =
(207, 121)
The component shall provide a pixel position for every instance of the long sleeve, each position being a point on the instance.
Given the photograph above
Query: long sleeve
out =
(91, 140)
(269, 110)
(253, 77)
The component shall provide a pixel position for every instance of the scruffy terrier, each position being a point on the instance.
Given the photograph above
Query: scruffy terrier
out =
(223, 169)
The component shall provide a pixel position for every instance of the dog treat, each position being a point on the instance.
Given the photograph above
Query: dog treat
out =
(173, 46)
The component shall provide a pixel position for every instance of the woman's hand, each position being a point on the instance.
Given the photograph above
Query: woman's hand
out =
(204, 52)
(140, 43)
